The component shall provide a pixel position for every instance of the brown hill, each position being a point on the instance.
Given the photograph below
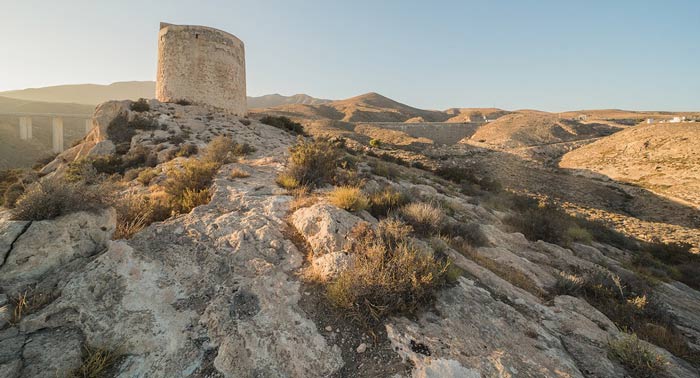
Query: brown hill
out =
(531, 128)
(474, 114)
(664, 158)
(91, 94)
(271, 100)
(13, 105)
(370, 107)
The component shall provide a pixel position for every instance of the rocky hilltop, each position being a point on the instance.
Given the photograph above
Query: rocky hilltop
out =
(177, 241)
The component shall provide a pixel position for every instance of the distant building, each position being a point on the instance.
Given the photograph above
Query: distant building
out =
(582, 117)
(650, 120)
(677, 120)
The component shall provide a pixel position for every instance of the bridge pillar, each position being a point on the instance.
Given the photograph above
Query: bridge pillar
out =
(57, 132)
(25, 128)
(88, 125)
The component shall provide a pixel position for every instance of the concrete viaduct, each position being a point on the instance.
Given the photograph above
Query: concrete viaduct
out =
(25, 126)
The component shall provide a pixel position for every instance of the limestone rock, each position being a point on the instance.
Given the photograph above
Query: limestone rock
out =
(325, 227)
(47, 245)
(51, 352)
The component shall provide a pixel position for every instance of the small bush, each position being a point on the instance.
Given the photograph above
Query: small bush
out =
(147, 175)
(244, 122)
(284, 123)
(383, 202)
(51, 198)
(375, 143)
(348, 198)
(183, 102)
(188, 186)
(41, 162)
(470, 232)
(120, 130)
(140, 106)
(239, 173)
(312, 163)
(11, 186)
(287, 181)
(187, 150)
(385, 170)
(425, 218)
(388, 276)
(636, 357)
(135, 212)
(224, 150)
(577, 234)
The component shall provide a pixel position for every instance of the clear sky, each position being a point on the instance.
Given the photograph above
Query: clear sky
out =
(548, 55)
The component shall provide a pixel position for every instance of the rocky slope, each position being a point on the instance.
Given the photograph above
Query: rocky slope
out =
(218, 291)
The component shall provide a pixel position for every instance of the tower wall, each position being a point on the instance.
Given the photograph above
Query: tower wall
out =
(201, 65)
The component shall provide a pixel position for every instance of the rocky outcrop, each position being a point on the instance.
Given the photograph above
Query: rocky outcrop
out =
(218, 292)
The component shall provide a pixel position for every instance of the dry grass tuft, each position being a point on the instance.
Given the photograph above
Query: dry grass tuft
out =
(388, 275)
(639, 360)
(348, 198)
(238, 173)
(425, 218)
(96, 362)
(383, 202)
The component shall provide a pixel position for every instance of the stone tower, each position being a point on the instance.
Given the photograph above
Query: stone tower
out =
(201, 65)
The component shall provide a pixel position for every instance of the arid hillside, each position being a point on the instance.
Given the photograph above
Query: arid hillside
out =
(271, 100)
(369, 107)
(91, 94)
(530, 128)
(663, 158)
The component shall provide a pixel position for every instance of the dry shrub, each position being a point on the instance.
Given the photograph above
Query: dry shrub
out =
(386, 200)
(95, 363)
(348, 198)
(53, 197)
(13, 182)
(577, 234)
(311, 164)
(224, 150)
(135, 212)
(187, 150)
(28, 302)
(140, 106)
(388, 275)
(639, 360)
(425, 218)
(147, 175)
(283, 123)
(387, 170)
(188, 186)
(470, 232)
(238, 173)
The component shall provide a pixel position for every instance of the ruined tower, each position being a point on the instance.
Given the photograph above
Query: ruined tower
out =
(201, 65)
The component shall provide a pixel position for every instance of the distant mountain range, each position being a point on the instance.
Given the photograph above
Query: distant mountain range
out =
(93, 94)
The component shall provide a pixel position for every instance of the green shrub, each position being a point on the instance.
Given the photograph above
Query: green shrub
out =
(425, 218)
(577, 234)
(287, 181)
(375, 143)
(389, 275)
(53, 197)
(386, 200)
(312, 163)
(348, 198)
(284, 123)
(636, 357)
(140, 106)
(188, 186)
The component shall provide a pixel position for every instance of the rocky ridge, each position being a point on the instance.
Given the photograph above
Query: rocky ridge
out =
(217, 292)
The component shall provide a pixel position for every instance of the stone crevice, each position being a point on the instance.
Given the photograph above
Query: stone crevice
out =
(12, 245)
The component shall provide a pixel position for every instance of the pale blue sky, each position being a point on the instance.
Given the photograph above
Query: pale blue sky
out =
(549, 55)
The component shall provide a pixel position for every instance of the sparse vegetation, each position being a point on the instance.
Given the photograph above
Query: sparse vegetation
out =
(238, 173)
(187, 150)
(311, 164)
(28, 302)
(95, 363)
(11, 186)
(224, 150)
(388, 276)
(147, 175)
(349, 198)
(188, 186)
(135, 212)
(121, 130)
(376, 143)
(140, 106)
(425, 218)
(383, 202)
(284, 123)
(637, 358)
(385, 170)
(53, 197)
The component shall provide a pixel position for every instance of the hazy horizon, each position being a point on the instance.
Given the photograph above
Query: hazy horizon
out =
(544, 55)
